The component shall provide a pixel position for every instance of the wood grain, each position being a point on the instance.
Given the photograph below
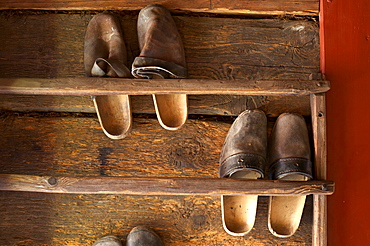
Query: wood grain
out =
(160, 186)
(319, 228)
(77, 147)
(231, 105)
(120, 86)
(51, 45)
(297, 7)
(71, 219)
(318, 108)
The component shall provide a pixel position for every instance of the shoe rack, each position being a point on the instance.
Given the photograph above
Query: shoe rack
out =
(314, 86)
(319, 188)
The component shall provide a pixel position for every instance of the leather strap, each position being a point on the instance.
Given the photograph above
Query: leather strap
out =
(144, 67)
(240, 162)
(118, 67)
(294, 165)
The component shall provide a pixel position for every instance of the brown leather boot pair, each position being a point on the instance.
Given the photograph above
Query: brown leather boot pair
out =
(138, 236)
(162, 56)
(245, 155)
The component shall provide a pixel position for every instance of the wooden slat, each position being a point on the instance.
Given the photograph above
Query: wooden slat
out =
(216, 48)
(114, 86)
(80, 220)
(76, 146)
(51, 46)
(231, 105)
(68, 145)
(277, 7)
(319, 228)
(318, 107)
(160, 186)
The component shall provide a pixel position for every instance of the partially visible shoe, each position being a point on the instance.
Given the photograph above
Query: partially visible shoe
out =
(289, 157)
(108, 241)
(143, 236)
(162, 56)
(105, 56)
(243, 156)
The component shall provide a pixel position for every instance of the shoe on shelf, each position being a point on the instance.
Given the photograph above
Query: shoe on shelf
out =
(108, 241)
(289, 158)
(105, 55)
(162, 56)
(243, 155)
(143, 236)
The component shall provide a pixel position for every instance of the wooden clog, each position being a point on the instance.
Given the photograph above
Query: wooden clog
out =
(289, 158)
(162, 56)
(243, 155)
(105, 55)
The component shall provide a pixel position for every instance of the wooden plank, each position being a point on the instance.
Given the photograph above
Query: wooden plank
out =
(80, 220)
(51, 45)
(319, 228)
(160, 186)
(76, 146)
(48, 145)
(277, 7)
(68, 145)
(231, 105)
(117, 86)
(318, 107)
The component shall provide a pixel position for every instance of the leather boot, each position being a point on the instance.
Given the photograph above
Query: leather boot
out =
(162, 56)
(243, 155)
(105, 55)
(289, 157)
(108, 241)
(142, 236)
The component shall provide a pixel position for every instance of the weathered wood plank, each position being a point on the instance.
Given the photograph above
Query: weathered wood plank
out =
(198, 104)
(76, 147)
(79, 220)
(161, 186)
(318, 108)
(51, 45)
(119, 86)
(277, 7)
(319, 228)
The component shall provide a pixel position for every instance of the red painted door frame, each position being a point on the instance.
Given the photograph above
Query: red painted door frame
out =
(345, 60)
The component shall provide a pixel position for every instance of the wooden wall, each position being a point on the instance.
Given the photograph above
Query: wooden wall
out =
(60, 135)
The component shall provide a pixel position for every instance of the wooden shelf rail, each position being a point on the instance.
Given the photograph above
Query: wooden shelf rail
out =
(266, 7)
(111, 86)
(161, 186)
(318, 116)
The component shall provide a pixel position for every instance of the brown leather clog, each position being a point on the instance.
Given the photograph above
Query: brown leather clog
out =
(162, 56)
(289, 158)
(243, 155)
(141, 235)
(105, 55)
(108, 241)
